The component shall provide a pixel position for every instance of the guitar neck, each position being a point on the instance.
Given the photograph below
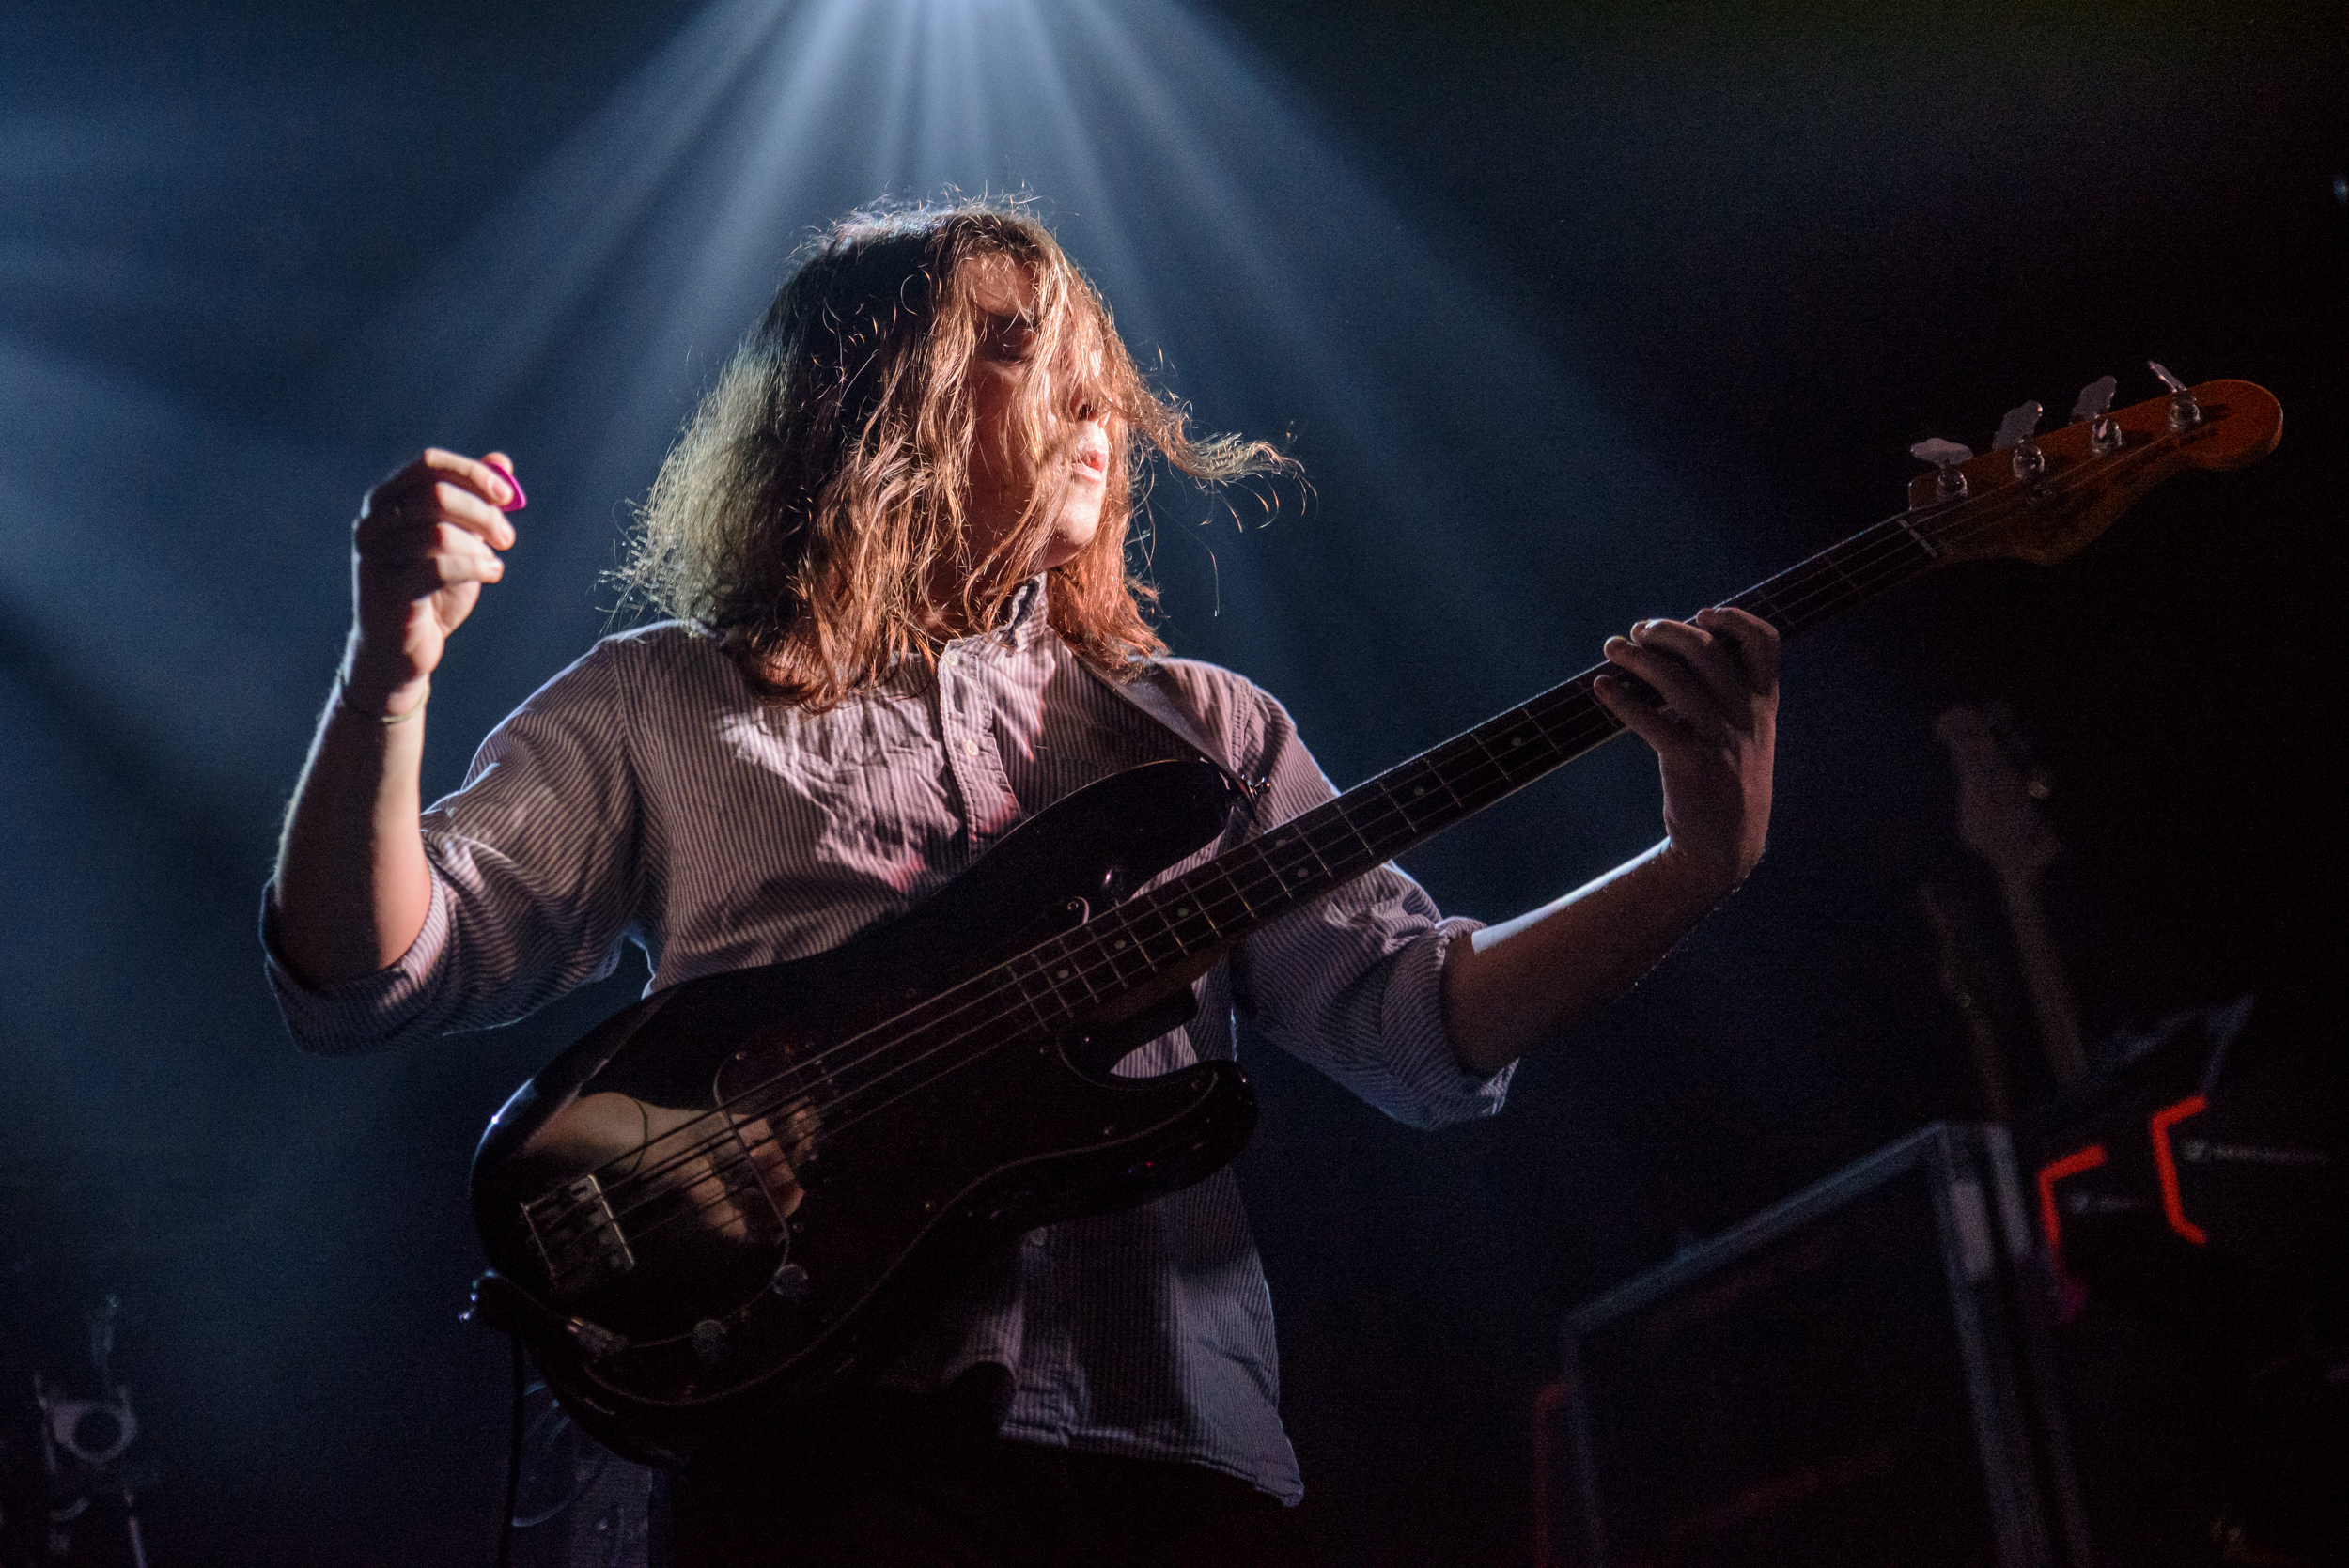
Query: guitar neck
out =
(1206, 909)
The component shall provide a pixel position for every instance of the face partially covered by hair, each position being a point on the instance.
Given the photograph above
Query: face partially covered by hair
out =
(1043, 430)
(935, 408)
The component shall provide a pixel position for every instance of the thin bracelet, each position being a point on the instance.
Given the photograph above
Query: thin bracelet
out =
(342, 699)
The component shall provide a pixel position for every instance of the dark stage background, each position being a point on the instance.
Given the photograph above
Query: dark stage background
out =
(1574, 314)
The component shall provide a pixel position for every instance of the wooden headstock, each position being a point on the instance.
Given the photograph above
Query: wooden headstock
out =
(2046, 498)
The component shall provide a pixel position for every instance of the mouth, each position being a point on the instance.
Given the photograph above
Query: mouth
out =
(1091, 462)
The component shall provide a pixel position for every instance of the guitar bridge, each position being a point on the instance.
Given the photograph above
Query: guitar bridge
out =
(578, 1236)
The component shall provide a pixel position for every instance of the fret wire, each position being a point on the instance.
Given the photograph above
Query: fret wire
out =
(1216, 868)
(1020, 970)
(1831, 559)
(1765, 605)
(1507, 758)
(1166, 923)
(1806, 585)
(1333, 820)
(1288, 834)
(1059, 966)
(1419, 790)
(1193, 906)
(1342, 816)
(1394, 810)
(1464, 759)
(1356, 810)
(1266, 864)
(1836, 558)
(1274, 884)
(1107, 935)
(1244, 863)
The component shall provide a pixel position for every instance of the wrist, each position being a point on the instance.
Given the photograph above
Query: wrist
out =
(366, 688)
(397, 705)
(1701, 881)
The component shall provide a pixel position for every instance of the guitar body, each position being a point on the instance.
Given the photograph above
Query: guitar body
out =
(717, 1208)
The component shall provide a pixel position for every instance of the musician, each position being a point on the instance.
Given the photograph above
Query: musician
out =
(893, 543)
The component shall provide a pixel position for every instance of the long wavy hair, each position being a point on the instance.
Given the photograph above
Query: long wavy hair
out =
(818, 495)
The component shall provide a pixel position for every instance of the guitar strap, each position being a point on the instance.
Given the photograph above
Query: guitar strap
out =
(1158, 697)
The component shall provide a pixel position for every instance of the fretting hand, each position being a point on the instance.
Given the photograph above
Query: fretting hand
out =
(1714, 736)
(425, 540)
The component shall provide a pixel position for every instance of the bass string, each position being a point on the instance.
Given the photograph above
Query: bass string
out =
(1873, 569)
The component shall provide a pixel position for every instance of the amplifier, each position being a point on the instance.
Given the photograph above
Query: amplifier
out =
(2214, 1141)
(2195, 1196)
(1855, 1376)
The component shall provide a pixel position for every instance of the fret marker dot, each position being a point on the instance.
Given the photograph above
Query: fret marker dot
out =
(1181, 909)
(1120, 943)
(1418, 789)
(1060, 974)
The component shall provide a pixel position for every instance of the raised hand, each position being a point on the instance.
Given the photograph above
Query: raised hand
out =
(425, 540)
(1714, 736)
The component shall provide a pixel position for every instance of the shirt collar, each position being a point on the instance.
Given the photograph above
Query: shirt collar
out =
(1024, 618)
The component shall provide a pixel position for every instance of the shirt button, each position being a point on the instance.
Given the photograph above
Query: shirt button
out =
(970, 748)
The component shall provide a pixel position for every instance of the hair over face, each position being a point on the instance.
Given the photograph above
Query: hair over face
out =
(820, 494)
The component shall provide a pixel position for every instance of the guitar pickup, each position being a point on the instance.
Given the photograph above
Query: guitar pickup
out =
(578, 1236)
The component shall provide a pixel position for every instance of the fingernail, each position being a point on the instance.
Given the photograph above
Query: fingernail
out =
(515, 485)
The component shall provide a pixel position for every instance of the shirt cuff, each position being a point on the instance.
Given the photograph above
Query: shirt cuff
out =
(370, 1013)
(1437, 1087)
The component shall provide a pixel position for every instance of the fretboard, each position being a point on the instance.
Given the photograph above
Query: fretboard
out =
(1209, 908)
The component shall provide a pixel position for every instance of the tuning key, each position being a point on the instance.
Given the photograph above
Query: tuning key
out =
(2095, 398)
(2016, 430)
(2104, 431)
(2184, 412)
(1946, 456)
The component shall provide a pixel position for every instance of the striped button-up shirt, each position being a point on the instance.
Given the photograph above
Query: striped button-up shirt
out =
(648, 795)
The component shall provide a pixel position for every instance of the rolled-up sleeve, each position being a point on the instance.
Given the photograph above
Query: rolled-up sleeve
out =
(1353, 983)
(535, 881)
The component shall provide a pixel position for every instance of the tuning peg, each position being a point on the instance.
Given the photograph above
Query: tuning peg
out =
(2184, 412)
(2016, 430)
(2095, 398)
(2104, 431)
(1946, 456)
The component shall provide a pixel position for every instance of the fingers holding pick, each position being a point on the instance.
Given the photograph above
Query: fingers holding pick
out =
(474, 494)
(424, 541)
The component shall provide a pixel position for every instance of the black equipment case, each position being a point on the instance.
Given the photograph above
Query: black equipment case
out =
(1855, 1376)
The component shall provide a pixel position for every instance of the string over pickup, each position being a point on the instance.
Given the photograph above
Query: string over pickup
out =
(578, 1236)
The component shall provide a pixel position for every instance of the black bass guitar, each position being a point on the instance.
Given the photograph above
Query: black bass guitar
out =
(733, 1195)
